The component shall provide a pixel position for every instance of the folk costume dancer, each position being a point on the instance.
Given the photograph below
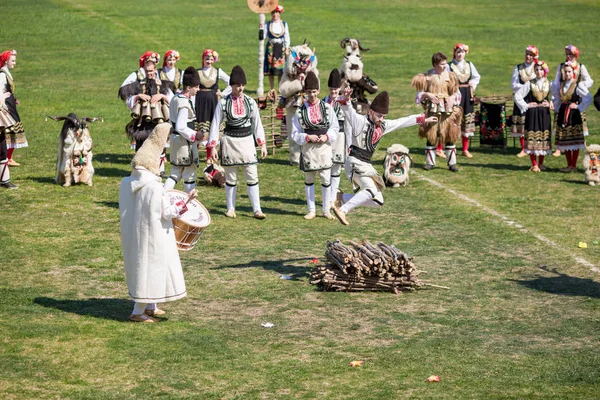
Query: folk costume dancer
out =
(338, 147)
(152, 266)
(172, 76)
(522, 74)
(363, 133)
(169, 73)
(148, 97)
(437, 92)
(242, 127)
(209, 94)
(184, 138)
(278, 41)
(583, 78)
(315, 128)
(468, 79)
(5, 121)
(14, 134)
(534, 100)
(572, 100)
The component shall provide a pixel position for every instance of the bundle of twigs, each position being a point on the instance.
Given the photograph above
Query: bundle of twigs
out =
(367, 267)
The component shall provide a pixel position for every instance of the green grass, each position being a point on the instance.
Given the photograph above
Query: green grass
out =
(519, 322)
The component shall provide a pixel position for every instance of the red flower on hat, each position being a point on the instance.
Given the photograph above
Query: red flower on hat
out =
(149, 55)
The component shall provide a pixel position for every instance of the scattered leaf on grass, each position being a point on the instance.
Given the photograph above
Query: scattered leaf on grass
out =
(434, 378)
(267, 325)
(582, 245)
(356, 363)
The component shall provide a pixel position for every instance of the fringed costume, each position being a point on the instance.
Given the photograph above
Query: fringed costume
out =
(468, 80)
(338, 147)
(533, 99)
(448, 128)
(15, 134)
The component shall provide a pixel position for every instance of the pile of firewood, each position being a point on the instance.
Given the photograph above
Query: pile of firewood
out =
(367, 267)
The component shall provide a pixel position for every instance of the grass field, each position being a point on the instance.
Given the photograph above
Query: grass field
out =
(521, 318)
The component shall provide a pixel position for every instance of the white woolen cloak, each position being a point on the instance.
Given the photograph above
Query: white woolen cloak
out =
(152, 265)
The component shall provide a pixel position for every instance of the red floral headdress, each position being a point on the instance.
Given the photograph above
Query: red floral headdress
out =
(210, 52)
(170, 53)
(149, 55)
(533, 50)
(544, 66)
(573, 50)
(461, 46)
(279, 9)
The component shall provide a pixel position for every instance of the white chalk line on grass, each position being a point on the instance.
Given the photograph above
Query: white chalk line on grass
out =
(112, 21)
(508, 221)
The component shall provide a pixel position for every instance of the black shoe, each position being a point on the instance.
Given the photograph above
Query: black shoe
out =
(428, 167)
(453, 168)
(9, 185)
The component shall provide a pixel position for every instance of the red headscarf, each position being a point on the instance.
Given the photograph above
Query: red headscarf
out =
(210, 52)
(5, 56)
(461, 46)
(170, 53)
(279, 9)
(149, 55)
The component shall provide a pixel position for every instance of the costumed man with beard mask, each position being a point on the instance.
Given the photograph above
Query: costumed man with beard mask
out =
(338, 146)
(184, 138)
(242, 127)
(148, 97)
(363, 135)
(152, 265)
(315, 127)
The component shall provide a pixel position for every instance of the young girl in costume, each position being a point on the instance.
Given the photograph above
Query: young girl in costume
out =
(15, 134)
(522, 74)
(278, 41)
(573, 99)
(534, 101)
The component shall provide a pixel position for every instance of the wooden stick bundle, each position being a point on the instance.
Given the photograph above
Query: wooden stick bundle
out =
(362, 266)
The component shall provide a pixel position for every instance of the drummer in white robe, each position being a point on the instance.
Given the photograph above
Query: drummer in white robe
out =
(315, 127)
(152, 266)
(242, 128)
(363, 135)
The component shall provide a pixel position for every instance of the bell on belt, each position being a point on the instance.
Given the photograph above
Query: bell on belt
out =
(146, 113)
(135, 112)
(156, 113)
(166, 112)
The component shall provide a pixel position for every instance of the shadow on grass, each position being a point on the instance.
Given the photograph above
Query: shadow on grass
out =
(285, 267)
(277, 161)
(113, 158)
(562, 284)
(110, 204)
(243, 211)
(113, 172)
(115, 309)
(42, 179)
(284, 200)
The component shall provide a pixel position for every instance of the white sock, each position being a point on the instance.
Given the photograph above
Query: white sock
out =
(188, 187)
(362, 198)
(309, 191)
(450, 152)
(138, 308)
(430, 155)
(170, 183)
(254, 194)
(335, 185)
(230, 192)
(325, 192)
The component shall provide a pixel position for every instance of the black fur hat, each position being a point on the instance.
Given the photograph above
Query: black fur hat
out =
(311, 81)
(381, 103)
(191, 77)
(335, 81)
(237, 76)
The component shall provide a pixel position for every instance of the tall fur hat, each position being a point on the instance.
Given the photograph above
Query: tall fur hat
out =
(191, 77)
(335, 81)
(148, 156)
(381, 103)
(311, 82)
(237, 76)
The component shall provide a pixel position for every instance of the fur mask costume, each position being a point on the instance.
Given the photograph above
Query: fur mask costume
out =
(300, 60)
(148, 156)
(351, 71)
(74, 158)
(396, 166)
(591, 164)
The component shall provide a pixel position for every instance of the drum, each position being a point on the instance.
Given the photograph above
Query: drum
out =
(190, 226)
